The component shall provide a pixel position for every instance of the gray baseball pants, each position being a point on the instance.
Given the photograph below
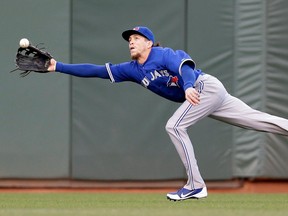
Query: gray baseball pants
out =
(216, 103)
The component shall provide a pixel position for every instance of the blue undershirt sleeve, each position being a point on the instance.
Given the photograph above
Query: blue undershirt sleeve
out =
(83, 70)
(188, 76)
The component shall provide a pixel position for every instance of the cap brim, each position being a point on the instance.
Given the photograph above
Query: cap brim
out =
(128, 33)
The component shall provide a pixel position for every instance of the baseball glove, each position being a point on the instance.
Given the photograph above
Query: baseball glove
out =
(32, 58)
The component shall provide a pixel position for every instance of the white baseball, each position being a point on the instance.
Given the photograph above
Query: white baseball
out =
(24, 43)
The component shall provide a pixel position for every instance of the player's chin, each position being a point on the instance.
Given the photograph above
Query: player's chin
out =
(134, 56)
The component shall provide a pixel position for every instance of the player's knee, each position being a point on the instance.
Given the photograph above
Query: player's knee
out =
(172, 126)
(169, 127)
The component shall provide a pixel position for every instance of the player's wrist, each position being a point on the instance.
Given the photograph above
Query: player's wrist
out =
(187, 86)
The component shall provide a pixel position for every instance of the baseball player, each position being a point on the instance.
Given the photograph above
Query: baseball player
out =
(174, 76)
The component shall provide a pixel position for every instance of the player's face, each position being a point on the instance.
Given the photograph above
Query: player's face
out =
(139, 46)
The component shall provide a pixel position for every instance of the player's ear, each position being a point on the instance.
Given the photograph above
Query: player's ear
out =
(150, 43)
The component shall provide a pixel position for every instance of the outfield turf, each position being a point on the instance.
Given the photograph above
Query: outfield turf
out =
(146, 204)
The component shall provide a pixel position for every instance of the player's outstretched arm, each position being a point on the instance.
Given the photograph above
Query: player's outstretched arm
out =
(80, 70)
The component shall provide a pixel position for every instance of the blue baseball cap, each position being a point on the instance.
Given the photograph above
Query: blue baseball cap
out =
(140, 30)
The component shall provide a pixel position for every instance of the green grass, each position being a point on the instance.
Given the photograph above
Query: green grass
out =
(126, 204)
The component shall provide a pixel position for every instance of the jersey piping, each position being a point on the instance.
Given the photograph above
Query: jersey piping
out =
(110, 73)
(186, 60)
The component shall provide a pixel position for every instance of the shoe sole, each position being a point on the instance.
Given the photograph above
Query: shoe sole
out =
(182, 199)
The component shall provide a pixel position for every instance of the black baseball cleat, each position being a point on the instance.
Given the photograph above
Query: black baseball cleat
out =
(184, 194)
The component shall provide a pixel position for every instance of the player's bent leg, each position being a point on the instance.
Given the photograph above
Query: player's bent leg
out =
(178, 134)
(186, 115)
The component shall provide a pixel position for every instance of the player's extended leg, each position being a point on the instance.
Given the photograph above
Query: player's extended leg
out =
(212, 96)
(236, 112)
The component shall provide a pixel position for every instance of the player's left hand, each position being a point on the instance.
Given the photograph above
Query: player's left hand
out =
(192, 96)
(52, 65)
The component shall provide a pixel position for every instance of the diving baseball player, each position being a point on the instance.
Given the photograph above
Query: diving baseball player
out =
(174, 76)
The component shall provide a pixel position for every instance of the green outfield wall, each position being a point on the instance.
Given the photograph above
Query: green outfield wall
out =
(57, 126)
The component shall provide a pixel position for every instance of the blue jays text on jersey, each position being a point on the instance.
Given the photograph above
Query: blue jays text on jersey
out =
(172, 81)
(161, 73)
